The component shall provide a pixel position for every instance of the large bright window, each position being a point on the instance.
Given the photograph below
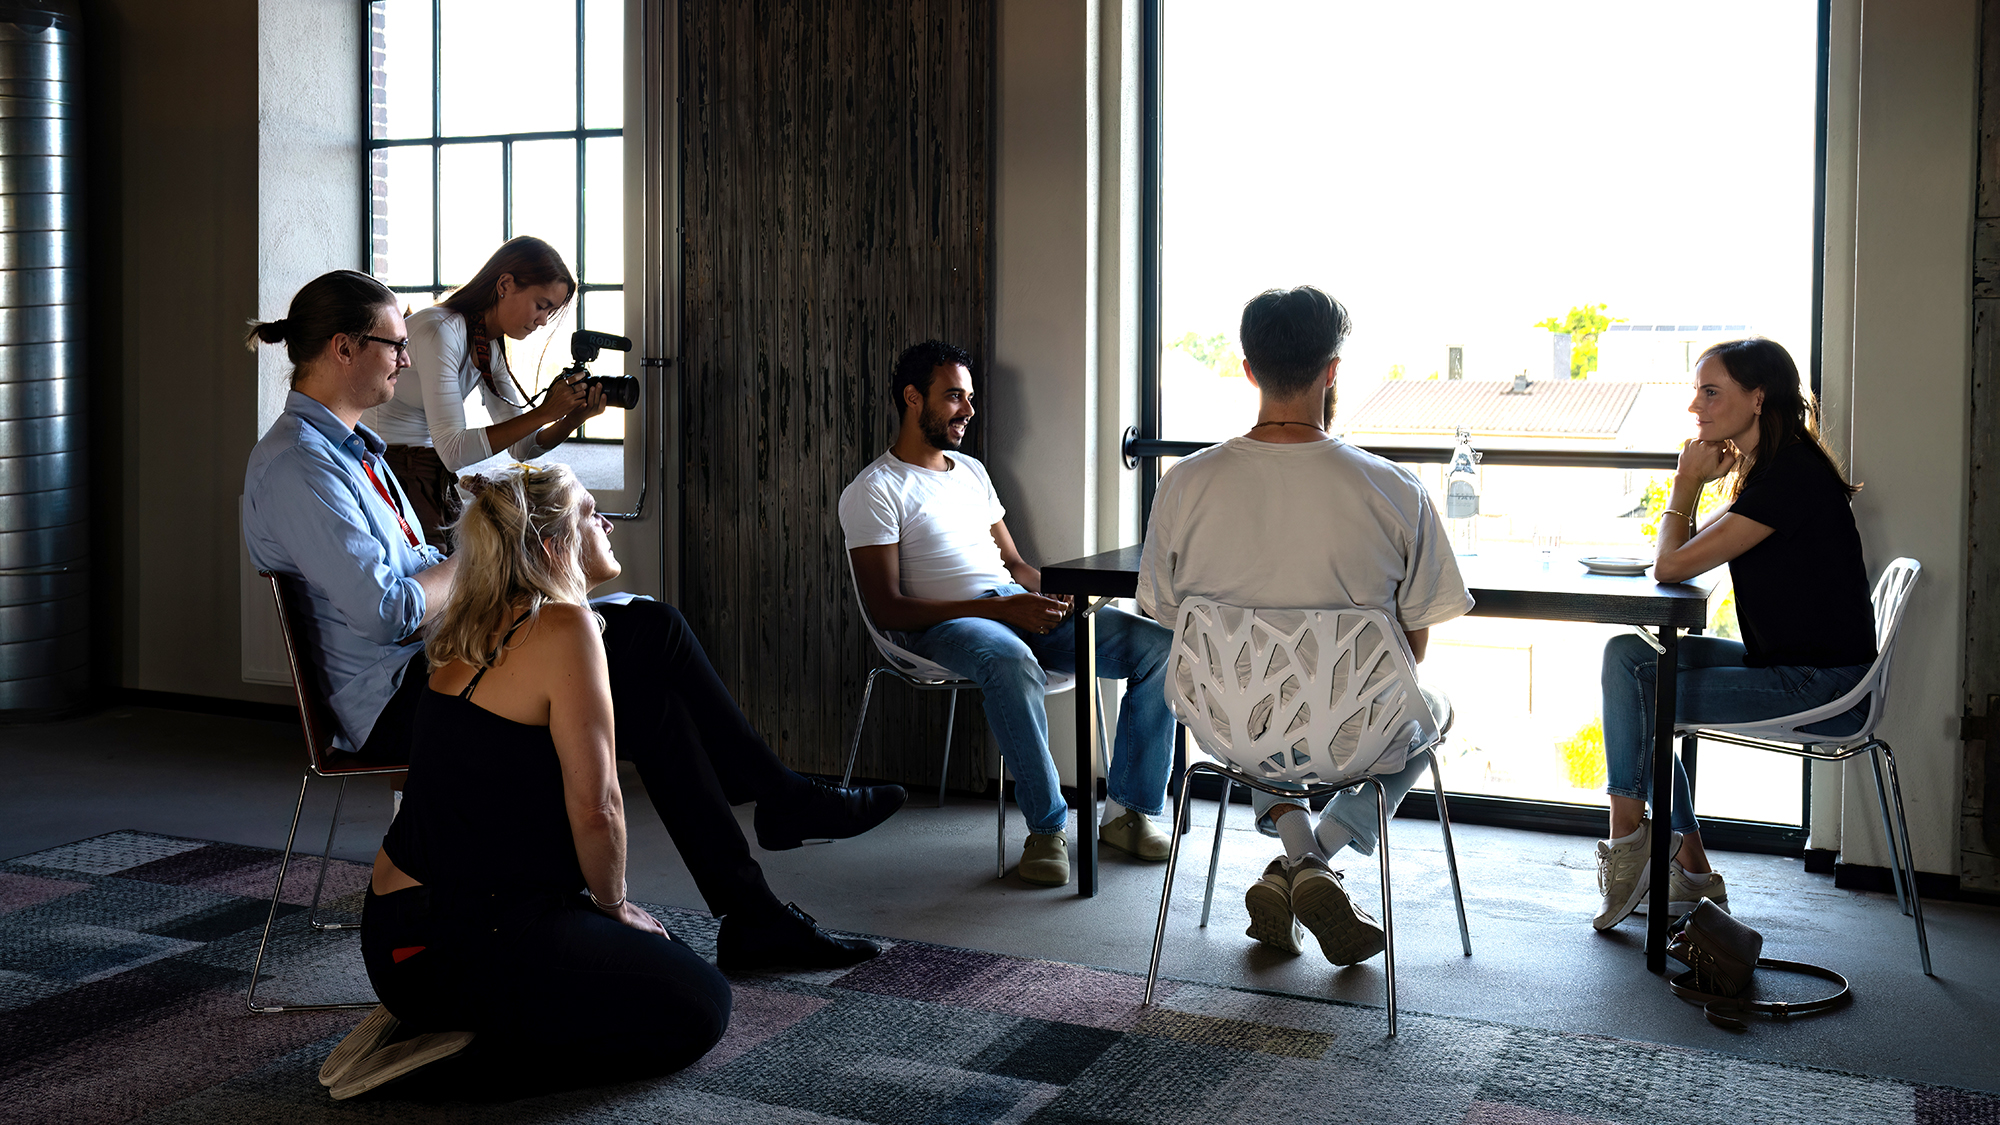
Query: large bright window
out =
(1538, 215)
(496, 118)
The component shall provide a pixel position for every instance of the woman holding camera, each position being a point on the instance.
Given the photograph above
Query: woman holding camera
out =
(498, 903)
(1802, 600)
(458, 348)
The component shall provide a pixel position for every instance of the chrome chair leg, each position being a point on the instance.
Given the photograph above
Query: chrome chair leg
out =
(1215, 853)
(325, 858)
(1450, 854)
(1888, 828)
(1000, 801)
(1903, 823)
(1388, 916)
(944, 767)
(284, 862)
(1167, 889)
(854, 748)
(263, 943)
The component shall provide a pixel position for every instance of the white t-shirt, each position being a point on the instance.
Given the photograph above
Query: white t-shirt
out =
(429, 407)
(1291, 526)
(941, 522)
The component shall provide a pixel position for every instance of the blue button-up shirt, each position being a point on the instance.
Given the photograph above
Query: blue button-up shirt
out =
(309, 511)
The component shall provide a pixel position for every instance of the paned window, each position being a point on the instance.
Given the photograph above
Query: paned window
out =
(495, 118)
(1537, 215)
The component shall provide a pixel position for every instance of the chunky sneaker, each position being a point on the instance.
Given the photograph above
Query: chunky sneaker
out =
(1137, 834)
(1624, 875)
(1045, 860)
(388, 1063)
(1683, 895)
(367, 1037)
(1269, 901)
(1347, 934)
(824, 812)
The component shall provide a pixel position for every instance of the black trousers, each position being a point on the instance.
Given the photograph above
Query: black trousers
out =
(555, 992)
(677, 723)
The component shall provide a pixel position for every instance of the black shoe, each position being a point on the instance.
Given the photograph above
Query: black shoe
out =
(792, 940)
(824, 812)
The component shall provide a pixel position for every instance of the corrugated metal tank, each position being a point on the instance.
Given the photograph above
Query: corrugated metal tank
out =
(44, 541)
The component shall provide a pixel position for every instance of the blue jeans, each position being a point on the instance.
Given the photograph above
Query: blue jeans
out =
(1711, 686)
(1354, 809)
(1009, 664)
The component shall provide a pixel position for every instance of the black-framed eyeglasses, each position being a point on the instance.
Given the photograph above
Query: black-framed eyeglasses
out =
(402, 346)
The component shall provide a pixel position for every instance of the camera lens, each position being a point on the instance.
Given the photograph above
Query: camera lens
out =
(621, 391)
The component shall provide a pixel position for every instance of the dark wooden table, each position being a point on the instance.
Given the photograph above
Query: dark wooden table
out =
(1502, 585)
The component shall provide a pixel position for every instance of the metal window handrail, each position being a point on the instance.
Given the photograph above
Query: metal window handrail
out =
(1135, 447)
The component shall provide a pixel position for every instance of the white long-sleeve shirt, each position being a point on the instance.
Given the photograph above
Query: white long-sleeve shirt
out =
(429, 409)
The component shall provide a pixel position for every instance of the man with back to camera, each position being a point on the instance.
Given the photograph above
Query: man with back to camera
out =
(320, 505)
(1288, 517)
(937, 568)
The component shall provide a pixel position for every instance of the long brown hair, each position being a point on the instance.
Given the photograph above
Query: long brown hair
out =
(504, 562)
(1789, 414)
(532, 262)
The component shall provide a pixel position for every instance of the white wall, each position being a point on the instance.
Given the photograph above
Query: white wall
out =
(1065, 376)
(309, 168)
(1911, 351)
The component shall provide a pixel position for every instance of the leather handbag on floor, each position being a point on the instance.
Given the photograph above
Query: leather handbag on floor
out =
(1721, 953)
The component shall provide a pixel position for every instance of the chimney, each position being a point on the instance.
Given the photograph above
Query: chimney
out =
(1520, 384)
(1454, 367)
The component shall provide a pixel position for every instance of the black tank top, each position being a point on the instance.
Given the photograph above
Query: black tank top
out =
(483, 806)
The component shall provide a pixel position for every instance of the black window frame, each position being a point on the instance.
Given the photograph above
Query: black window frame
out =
(1144, 445)
(437, 142)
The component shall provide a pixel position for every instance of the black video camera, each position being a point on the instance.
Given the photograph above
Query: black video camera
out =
(621, 391)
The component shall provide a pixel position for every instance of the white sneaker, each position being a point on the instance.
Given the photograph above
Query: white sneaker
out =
(1269, 901)
(1624, 875)
(1683, 895)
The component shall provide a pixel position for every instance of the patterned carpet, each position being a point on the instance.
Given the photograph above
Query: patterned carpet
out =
(123, 961)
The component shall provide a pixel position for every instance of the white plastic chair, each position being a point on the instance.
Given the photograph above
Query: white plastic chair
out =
(1787, 735)
(1326, 699)
(925, 675)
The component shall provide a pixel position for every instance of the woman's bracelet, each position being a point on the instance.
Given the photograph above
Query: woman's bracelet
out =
(1683, 515)
(594, 901)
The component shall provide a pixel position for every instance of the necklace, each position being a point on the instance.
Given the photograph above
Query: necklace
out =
(1308, 425)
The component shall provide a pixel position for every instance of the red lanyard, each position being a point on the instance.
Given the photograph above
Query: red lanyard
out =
(387, 499)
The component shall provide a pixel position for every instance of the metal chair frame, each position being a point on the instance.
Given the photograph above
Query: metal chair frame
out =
(315, 720)
(924, 675)
(1389, 698)
(1784, 735)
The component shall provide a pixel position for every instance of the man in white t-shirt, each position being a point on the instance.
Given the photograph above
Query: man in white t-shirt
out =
(1287, 517)
(937, 569)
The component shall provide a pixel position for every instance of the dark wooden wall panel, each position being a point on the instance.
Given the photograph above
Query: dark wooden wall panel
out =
(836, 209)
(1979, 809)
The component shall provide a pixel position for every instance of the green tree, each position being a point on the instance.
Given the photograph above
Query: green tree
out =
(1583, 324)
(1213, 352)
(1395, 373)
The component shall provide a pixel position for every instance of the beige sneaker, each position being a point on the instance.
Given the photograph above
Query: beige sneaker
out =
(1045, 860)
(1347, 934)
(1623, 876)
(367, 1036)
(1134, 832)
(398, 1059)
(1269, 901)
(1683, 895)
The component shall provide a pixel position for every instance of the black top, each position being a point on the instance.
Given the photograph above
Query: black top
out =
(483, 806)
(1802, 594)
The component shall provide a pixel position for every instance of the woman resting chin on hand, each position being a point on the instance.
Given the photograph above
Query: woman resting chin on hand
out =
(498, 903)
(1802, 600)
